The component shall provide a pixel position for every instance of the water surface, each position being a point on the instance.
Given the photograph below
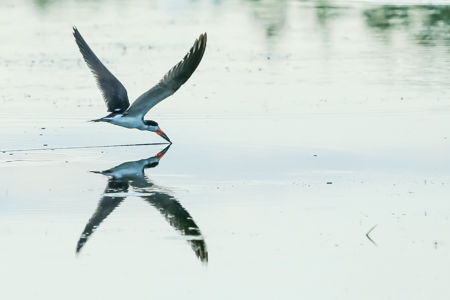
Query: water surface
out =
(306, 124)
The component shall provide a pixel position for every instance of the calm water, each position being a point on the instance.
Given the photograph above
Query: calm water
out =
(307, 124)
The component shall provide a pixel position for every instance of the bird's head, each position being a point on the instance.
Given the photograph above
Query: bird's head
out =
(153, 126)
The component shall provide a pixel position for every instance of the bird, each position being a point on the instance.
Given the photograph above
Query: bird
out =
(131, 175)
(116, 97)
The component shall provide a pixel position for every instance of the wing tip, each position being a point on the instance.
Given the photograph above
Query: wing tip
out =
(202, 39)
(75, 30)
(190, 61)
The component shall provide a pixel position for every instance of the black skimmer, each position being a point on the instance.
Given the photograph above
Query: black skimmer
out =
(132, 173)
(115, 94)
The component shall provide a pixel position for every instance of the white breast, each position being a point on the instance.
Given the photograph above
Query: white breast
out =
(128, 122)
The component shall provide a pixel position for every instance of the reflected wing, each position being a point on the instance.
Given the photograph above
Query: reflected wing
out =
(172, 81)
(178, 218)
(105, 207)
(114, 93)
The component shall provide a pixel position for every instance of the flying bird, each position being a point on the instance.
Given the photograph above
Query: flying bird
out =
(115, 94)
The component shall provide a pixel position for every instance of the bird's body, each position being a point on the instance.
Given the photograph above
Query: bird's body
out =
(115, 94)
(125, 121)
(134, 169)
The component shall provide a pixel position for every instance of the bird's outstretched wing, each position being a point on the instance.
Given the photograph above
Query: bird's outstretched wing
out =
(172, 81)
(105, 207)
(178, 217)
(114, 93)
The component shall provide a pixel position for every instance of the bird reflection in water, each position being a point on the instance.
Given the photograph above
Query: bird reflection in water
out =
(132, 174)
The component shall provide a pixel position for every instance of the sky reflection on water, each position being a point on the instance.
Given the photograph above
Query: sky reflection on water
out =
(307, 124)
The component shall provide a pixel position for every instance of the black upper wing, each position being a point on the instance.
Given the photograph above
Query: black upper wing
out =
(114, 93)
(172, 81)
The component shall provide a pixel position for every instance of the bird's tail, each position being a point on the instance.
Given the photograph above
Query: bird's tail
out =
(108, 118)
(98, 120)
